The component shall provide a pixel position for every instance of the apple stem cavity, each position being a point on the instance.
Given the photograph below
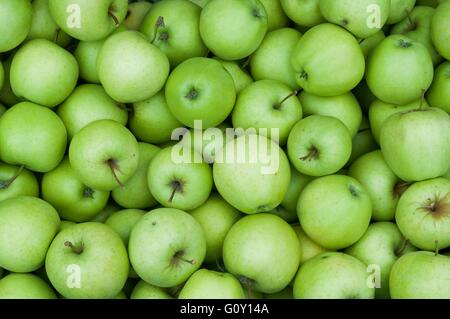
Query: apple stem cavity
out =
(313, 154)
(439, 207)
(176, 187)
(7, 183)
(112, 163)
(77, 250)
(179, 257)
(158, 25)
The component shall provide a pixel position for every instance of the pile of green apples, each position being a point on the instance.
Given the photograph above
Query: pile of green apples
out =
(350, 99)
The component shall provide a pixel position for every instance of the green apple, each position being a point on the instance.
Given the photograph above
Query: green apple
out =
(303, 12)
(233, 29)
(128, 82)
(166, 246)
(179, 183)
(173, 26)
(66, 224)
(109, 209)
(276, 18)
(363, 142)
(332, 275)
(15, 17)
(271, 60)
(33, 136)
(216, 217)
(73, 200)
(416, 144)
(200, 89)
(399, 10)
(144, 290)
(421, 275)
(440, 29)
(256, 178)
(319, 145)
(47, 83)
(17, 181)
(25, 286)
(104, 154)
(439, 93)
(254, 248)
(380, 111)
(87, 261)
(423, 214)
(135, 192)
(27, 227)
(136, 14)
(368, 44)
(400, 70)
(43, 25)
(309, 248)
(381, 245)
(268, 105)
(334, 211)
(363, 18)
(88, 20)
(344, 107)
(208, 284)
(240, 76)
(151, 121)
(123, 221)
(382, 185)
(417, 26)
(89, 103)
(321, 59)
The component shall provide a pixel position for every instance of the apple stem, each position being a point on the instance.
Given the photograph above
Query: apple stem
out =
(176, 186)
(436, 250)
(113, 166)
(76, 250)
(402, 248)
(116, 21)
(294, 93)
(7, 183)
(179, 256)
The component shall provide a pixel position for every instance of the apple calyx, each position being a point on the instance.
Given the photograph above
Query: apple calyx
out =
(353, 191)
(313, 154)
(400, 250)
(248, 284)
(178, 257)
(76, 249)
(8, 182)
(88, 192)
(303, 75)
(177, 186)
(402, 43)
(114, 166)
(256, 13)
(345, 22)
(192, 94)
(438, 207)
(111, 14)
(277, 106)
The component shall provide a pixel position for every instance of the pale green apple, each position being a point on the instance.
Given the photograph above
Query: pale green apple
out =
(332, 275)
(416, 144)
(135, 192)
(17, 181)
(74, 201)
(87, 261)
(255, 178)
(382, 185)
(439, 93)
(271, 60)
(240, 76)
(136, 14)
(216, 217)
(89, 103)
(344, 107)
(25, 286)
(380, 111)
(381, 245)
(33, 136)
(334, 211)
(368, 44)
(399, 10)
(399, 70)
(363, 18)
(43, 25)
(421, 275)
(88, 20)
(166, 246)
(208, 284)
(363, 142)
(267, 105)
(309, 248)
(173, 26)
(322, 57)
(233, 29)
(303, 12)
(319, 145)
(440, 29)
(123, 221)
(200, 89)
(27, 227)
(423, 214)
(144, 290)
(104, 154)
(43, 72)
(263, 251)
(134, 74)
(276, 18)
(15, 22)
